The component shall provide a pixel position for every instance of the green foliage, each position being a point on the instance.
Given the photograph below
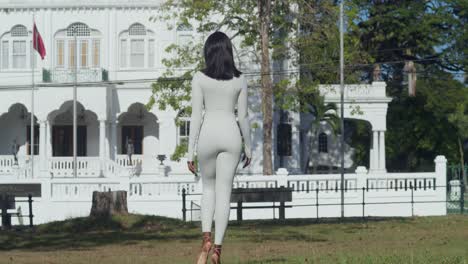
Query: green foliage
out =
(420, 128)
(360, 140)
(179, 151)
(422, 31)
(431, 33)
(459, 117)
(105, 75)
(46, 75)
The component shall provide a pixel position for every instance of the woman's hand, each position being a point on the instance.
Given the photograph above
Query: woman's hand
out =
(247, 160)
(191, 166)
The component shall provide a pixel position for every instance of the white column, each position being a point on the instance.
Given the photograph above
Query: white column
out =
(102, 136)
(163, 137)
(49, 139)
(167, 135)
(113, 145)
(382, 151)
(42, 148)
(107, 142)
(167, 140)
(374, 154)
(294, 159)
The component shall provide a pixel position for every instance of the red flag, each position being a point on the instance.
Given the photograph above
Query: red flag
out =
(37, 42)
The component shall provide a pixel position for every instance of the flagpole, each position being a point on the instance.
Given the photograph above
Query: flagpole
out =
(74, 101)
(342, 106)
(32, 61)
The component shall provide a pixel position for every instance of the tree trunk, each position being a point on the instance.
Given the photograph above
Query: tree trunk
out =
(109, 203)
(462, 162)
(264, 9)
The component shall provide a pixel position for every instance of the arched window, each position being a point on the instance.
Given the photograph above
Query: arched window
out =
(89, 47)
(184, 34)
(184, 128)
(323, 142)
(15, 50)
(137, 46)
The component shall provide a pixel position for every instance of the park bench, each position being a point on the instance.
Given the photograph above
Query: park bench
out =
(8, 194)
(256, 195)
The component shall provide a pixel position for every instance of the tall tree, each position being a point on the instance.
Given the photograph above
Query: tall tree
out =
(264, 11)
(234, 16)
(303, 32)
(459, 119)
(430, 36)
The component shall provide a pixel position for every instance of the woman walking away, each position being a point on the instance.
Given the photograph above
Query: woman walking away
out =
(218, 88)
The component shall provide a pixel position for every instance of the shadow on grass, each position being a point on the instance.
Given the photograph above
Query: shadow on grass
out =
(284, 236)
(87, 232)
(311, 221)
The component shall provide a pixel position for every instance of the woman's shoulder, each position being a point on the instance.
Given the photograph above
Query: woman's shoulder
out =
(200, 74)
(196, 74)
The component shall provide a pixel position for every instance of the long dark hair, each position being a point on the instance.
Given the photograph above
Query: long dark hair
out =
(219, 60)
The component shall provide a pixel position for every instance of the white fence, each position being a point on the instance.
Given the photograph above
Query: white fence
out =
(385, 194)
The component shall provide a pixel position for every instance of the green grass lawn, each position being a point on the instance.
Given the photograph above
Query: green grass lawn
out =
(153, 239)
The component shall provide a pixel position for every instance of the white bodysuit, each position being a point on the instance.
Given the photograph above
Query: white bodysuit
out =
(219, 143)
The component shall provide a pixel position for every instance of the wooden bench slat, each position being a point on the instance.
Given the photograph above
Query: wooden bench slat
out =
(281, 194)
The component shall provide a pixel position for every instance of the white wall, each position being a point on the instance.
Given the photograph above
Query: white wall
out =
(64, 198)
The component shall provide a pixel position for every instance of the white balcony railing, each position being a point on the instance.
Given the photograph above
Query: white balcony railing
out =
(68, 75)
(6, 163)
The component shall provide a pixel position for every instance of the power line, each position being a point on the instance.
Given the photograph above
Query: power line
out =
(252, 74)
(422, 74)
(323, 65)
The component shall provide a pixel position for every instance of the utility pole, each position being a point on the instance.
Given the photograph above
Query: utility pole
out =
(75, 29)
(31, 146)
(342, 107)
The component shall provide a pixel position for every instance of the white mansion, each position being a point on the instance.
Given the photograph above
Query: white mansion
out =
(117, 42)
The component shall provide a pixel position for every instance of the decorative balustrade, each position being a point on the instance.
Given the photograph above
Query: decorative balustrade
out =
(20, 169)
(124, 161)
(256, 182)
(306, 183)
(85, 166)
(140, 163)
(6, 164)
(403, 181)
(163, 187)
(63, 167)
(24, 171)
(113, 169)
(327, 183)
(81, 189)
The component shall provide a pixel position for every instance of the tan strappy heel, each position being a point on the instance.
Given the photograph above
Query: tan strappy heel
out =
(205, 250)
(216, 256)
